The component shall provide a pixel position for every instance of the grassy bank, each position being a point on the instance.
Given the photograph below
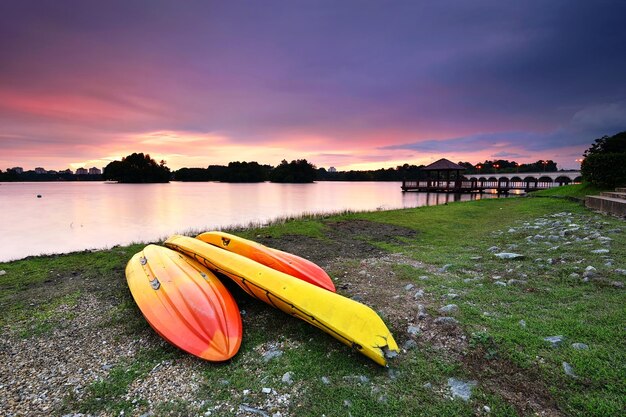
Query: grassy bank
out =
(72, 319)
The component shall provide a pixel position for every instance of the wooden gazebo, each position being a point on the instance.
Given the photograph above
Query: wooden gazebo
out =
(441, 175)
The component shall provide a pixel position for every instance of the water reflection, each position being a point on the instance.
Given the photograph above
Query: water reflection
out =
(76, 216)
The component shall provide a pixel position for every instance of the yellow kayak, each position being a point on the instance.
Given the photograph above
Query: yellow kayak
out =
(350, 322)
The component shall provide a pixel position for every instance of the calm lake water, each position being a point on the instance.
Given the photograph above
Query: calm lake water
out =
(72, 216)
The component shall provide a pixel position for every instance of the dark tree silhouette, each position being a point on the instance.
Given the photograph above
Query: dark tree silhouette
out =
(137, 168)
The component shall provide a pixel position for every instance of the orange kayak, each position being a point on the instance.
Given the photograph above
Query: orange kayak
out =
(285, 262)
(185, 303)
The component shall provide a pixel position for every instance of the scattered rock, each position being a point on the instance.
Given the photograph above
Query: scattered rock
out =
(617, 284)
(600, 251)
(347, 403)
(522, 323)
(325, 380)
(476, 258)
(620, 271)
(421, 312)
(452, 296)
(519, 282)
(427, 385)
(444, 268)
(266, 390)
(418, 294)
(253, 410)
(423, 277)
(574, 275)
(503, 284)
(590, 271)
(413, 330)
(409, 345)
(493, 249)
(446, 321)
(555, 341)
(272, 354)
(450, 308)
(390, 354)
(409, 287)
(569, 371)
(288, 378)
(2, 272)
(461, 389)
(487, 409)
(579, 346)
(508, 255)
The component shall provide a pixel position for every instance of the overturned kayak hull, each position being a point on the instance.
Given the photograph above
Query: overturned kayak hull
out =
(281, 261)
(350, 322)
(185, 303)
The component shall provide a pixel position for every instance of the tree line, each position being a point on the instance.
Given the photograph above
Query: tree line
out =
(11, 175)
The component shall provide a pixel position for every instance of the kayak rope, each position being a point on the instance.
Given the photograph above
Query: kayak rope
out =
(244, 283)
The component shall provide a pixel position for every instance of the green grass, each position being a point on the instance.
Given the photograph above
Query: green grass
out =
(574, 191)
(551, 303)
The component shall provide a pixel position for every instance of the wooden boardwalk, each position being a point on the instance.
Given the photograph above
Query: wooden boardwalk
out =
(476, 186)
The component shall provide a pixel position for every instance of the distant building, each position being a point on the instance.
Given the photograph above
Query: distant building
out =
(332, 169)
(53, 172)
(67, 171)
(94, 171)
(40, 170)
(82, 171)
(18, 170)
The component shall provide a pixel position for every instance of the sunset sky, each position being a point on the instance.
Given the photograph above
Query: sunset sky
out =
(350, 84)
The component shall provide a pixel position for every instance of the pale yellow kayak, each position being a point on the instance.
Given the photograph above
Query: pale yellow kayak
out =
(350, 322)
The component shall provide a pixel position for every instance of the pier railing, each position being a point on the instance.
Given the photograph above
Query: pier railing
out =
(467, 186)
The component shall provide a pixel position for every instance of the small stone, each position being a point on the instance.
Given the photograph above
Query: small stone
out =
(508, 255)
(347, 403)
(2, 272)
(421, 312)
(266, 390)
(496, 277)
(519, 282)
(555, 341)
(107, 367)
(409, 345)
(598, 251)
(409, 287)
(574, 275)
(569, 371)
(590, 271)
(620, 271)
(522, 323)
(461, 389)
(446, 321)
(487, 409)
(223, 381)
(413, 330)
(579, 346)
(617, 284)
(253, 410)
(423, 277)
(444, 268)
(272, 354)
(502, 284)
(452, 296)
(325, 380)
(450, 308)
(418, 294)
(288, 378)
(427, 385)
(493, 249)
(476, 258)
(390, 354)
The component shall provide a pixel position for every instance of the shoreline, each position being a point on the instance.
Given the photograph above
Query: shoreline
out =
(410, 265)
